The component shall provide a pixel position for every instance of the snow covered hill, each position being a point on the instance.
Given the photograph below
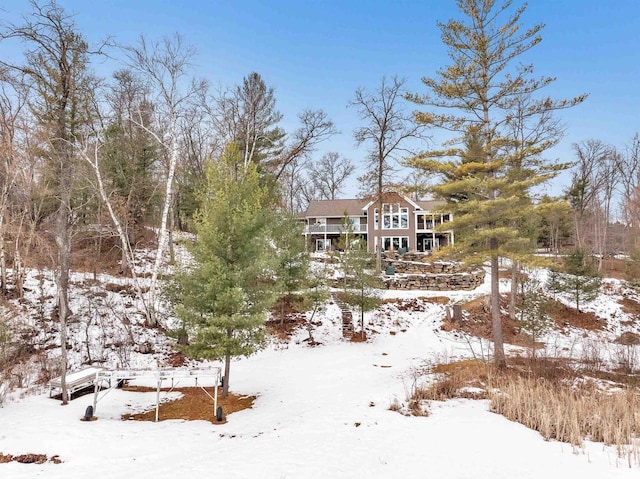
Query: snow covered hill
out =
(321, 412)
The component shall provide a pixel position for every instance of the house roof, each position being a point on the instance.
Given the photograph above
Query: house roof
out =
(390, 194)
(323, 208)
(355, 207)
(431, 205)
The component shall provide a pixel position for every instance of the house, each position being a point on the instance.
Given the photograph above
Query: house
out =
(406, 224)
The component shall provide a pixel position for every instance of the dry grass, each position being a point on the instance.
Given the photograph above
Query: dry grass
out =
(568, 412)
(559, 405)
(458, 379)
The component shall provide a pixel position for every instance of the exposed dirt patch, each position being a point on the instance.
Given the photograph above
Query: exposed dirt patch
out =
(477, 322)
(177, 360)
(614, 268)
(628, 339)
(418, 304)
(29, 458)
(194, 405)
(565, 316)
(359, 337)
(630, 306)
(405, 304)
(287, 315)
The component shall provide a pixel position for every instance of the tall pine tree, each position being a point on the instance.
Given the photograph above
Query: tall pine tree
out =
(480, 96)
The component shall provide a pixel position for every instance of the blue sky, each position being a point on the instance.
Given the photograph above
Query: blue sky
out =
(315, 53)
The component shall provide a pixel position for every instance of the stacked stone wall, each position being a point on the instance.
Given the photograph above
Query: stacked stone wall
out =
(414, 271)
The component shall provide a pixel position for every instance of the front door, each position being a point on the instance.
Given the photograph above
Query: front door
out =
(429, 244)
(323, 245)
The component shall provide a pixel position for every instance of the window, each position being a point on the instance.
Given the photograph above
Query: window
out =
(323, 245)
(394, 243)
(393, 217)
(429, 244)
(425, 221)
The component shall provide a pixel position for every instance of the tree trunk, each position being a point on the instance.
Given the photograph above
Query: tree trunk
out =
(63, 242)
(227, 369)
(163, 236)
(515, 268)
(172, 224)
(378, 247)
(496, 320)
(3, 260)
(125, 243)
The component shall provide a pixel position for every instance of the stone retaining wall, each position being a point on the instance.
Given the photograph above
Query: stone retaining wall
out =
(412, 271)
(436, 282)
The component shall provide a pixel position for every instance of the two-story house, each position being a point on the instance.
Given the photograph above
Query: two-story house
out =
(405, 224)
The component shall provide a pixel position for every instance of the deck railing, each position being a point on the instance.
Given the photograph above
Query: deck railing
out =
(335, 229)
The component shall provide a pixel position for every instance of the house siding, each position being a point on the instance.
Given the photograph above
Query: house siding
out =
(333, 212)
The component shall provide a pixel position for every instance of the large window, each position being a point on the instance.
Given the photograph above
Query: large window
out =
(394, 243)
(429, 221)
(394, 217)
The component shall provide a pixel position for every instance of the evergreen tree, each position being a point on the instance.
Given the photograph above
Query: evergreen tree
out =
(555, 222)
(314, 298)
(534, 310)
(480, 96)
(130, 152)
(292, 259)
(223, 298)
(580, 279)
(361, 278)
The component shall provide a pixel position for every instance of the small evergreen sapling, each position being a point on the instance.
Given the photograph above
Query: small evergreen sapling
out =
(361, 278)
(580, 280)
(534, 310)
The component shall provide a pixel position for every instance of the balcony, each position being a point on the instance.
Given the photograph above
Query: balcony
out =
(332, 229)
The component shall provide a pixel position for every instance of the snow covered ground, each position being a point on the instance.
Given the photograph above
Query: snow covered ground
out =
(321, 412)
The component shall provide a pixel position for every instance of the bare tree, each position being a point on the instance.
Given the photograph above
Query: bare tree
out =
(628, 167)
(387, 131)
(88, 150)
(594, 181)
(314, 128)
(329, 174)
(532, 134)
(294, 183)
(165, 66)
(13, 99)
(56, 60)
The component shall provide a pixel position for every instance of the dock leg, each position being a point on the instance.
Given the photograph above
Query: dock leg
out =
(158, 399)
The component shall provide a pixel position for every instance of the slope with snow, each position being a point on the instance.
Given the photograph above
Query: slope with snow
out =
(321, 412)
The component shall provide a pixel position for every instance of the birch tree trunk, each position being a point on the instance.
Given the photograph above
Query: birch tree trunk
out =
(163, 235)
(164, 66)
